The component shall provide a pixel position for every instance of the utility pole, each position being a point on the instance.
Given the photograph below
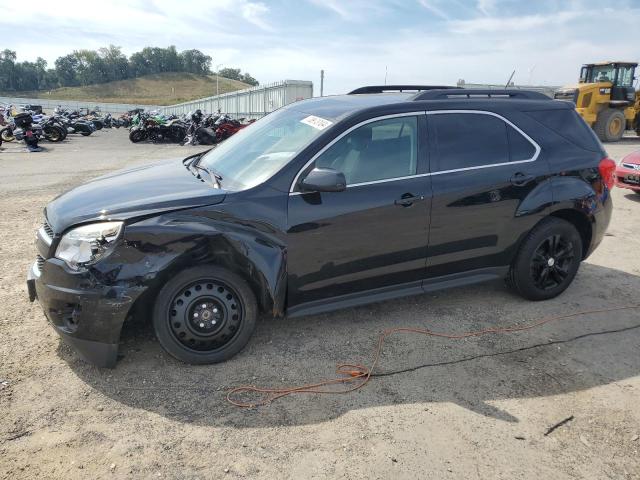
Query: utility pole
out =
(322, 83)
(386, 70)
(217, 84)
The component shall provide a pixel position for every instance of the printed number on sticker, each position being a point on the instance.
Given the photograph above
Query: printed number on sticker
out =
(316, 122)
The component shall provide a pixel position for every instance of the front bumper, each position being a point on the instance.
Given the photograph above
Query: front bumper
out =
(622, 176)
(88, 316)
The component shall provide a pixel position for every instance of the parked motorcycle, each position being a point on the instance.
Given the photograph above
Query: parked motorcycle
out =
(157, 129)
(27, 132)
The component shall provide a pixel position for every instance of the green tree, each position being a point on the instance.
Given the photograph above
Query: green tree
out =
(249, 80)
(116, 65)
(231, 73)
(7, 69)
(194, 61)
(66, 70)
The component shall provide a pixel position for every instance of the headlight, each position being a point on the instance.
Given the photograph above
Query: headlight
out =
(87, 244)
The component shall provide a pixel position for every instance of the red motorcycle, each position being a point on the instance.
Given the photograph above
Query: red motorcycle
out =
(225, 126)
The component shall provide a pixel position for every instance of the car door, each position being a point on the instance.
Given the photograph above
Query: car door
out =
(483, 168)
(373, 235)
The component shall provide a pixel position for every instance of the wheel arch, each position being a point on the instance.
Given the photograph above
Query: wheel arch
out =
(582, 224)
(257, 260)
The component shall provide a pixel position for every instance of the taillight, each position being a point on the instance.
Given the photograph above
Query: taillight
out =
(607, 169)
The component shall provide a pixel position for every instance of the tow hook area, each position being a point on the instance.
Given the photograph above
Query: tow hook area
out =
(31, 283)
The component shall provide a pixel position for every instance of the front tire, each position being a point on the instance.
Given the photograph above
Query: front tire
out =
(547, 261)
(610, 125)
(205, 315)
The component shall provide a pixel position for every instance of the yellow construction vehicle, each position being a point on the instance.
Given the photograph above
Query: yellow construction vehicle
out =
(606, 98)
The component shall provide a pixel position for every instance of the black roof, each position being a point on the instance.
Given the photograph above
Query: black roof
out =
(337, 107)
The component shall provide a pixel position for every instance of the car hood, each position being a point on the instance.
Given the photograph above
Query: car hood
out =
(633, 158)
(131, 193)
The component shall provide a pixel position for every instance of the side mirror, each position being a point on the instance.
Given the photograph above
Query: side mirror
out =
(324, 180)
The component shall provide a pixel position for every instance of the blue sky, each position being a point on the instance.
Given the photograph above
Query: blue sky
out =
(419, 41)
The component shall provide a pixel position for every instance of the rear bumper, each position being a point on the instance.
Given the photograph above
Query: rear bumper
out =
(87, 316)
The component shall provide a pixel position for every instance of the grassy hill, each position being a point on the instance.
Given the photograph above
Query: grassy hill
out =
(159, 89)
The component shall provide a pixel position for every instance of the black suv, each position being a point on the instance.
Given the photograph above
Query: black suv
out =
(326, 203)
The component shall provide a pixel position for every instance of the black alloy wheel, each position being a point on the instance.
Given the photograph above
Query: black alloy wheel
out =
(205, 315)
(547, 260)
(552, 261)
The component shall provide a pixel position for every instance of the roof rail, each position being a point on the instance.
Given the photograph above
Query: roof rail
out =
(398, 88)
(479, 93)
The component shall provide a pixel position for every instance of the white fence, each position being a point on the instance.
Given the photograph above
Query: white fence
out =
(250, 103)
(49, 104)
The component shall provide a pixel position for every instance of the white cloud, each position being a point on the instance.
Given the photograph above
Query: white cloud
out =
(520, 24)
(352, 40)
(254, 13)
(434, 7)
(486, 6)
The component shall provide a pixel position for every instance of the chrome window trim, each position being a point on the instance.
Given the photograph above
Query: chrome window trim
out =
(537, 147)
(535, 156)
(346, 132)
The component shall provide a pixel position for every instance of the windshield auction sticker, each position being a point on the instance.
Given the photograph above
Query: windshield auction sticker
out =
(316, 122)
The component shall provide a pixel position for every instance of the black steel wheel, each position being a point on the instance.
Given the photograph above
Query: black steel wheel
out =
(205, 315)
(547, 261)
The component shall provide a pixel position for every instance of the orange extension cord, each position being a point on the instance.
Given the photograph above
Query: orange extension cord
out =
(356, 376)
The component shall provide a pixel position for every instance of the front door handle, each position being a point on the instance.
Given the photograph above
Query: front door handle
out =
(519, 179)
(408, 199)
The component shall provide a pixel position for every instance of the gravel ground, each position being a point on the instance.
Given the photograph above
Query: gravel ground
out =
(470, 409)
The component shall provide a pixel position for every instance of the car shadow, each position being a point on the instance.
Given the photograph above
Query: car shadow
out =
(632, 196)
(570, 355)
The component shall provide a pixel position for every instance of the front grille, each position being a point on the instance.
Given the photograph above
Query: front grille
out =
(632, 166)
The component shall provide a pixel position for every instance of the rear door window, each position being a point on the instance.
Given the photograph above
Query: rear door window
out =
(467, 140)
(474, 140)
(519, 147)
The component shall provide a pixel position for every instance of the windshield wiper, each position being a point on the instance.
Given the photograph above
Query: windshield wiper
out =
(214, 176)
(194, 166)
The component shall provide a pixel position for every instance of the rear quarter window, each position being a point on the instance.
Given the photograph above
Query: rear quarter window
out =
(569, 125)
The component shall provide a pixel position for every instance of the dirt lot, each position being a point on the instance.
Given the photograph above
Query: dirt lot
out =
(471, 409)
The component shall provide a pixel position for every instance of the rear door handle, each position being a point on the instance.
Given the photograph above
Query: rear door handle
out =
(519, 179)
(408, 199)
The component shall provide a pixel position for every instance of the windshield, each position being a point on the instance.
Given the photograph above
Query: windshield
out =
(256, 153)
(625, 76)
(603, 73)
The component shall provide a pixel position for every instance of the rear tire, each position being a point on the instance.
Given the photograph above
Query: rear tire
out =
(7, 135)
(547, 261)
(205, 315)
(610, 125)
(54, 134)
(137, 135)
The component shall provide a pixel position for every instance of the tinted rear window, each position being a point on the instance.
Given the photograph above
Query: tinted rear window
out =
(568, 124)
